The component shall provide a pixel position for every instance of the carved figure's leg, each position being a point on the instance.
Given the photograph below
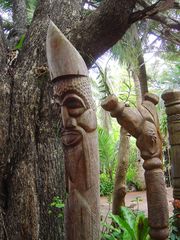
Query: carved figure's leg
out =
(156, 199)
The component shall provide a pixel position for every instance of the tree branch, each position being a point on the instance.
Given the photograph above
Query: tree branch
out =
(167, 21)
(151, 10)
(102, 28)
(19, 16)
(62, 16)
(176, 5)
(93, 35)
(169, 36)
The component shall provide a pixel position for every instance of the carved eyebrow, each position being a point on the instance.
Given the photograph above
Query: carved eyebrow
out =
(73, 97)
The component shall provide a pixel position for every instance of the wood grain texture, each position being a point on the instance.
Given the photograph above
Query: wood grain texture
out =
(79, 137)
(172, 103)
(142, 123)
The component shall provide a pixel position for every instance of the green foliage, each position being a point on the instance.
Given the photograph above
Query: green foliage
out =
(165, 72)
(106, 185)
(128, 225)
(131, 173)
(128, 49)
(30, 5)
(132, 166)
(57, 207)
(102, 78)
(174, 233)
(163, 124)
(107, 152)
(19, 45)
(6, 4)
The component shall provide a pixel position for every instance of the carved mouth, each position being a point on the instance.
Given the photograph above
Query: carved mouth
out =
(71, 138)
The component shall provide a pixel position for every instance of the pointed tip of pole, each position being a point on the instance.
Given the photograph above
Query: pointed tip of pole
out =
(63, 58)
(53, 31)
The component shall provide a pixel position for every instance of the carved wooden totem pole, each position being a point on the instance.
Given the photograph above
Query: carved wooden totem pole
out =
(142, 123)
(72, 91)
(172, 103)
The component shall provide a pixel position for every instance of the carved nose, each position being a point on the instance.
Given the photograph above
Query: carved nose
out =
(68, 121)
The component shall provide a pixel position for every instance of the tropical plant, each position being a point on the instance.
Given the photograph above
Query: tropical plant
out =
(174, 233)
(107, 152)
(131, 176)
(6, 6)
(31, 5)
(128, 225)
(106, 185)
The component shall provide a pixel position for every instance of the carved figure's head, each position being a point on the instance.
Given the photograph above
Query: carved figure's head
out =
(72, 90)
(77, 109)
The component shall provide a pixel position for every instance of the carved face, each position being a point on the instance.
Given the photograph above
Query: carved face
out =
(76, 118)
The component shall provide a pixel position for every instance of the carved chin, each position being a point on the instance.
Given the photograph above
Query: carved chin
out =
(71, 138)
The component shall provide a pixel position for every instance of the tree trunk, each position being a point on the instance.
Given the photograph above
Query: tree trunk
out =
(139, 163)
(35, 170)
(19, 22)
(32, 166)
(4, 120)
(120, 177)
(105, 120)
(140, 82)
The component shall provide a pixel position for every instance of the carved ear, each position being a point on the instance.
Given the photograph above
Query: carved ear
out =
(63, 58)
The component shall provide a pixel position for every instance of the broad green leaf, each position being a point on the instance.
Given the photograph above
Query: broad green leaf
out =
(123, 225)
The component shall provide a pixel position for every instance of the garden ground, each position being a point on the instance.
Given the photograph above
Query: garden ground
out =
(132, 199)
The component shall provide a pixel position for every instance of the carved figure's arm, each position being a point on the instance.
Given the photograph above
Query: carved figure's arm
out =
(129, 118)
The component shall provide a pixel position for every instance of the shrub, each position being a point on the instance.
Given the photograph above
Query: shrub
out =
(107, 152)
(106, 185)
(128, 224)
(131, 175)
(174, 233)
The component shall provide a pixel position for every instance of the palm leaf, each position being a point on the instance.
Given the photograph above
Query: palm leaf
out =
(124, 226)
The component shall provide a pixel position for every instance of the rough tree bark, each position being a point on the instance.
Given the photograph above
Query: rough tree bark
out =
(19, 21)
(141, 88)
(4, 117)
(102, 28)
(120, 177)
(140, 170)
(34, 172)
(32, 158)
(105, 120)
(32, 169)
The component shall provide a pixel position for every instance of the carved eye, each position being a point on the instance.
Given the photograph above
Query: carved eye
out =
(74, 105)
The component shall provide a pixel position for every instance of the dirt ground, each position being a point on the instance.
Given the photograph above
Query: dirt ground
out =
(130, 197)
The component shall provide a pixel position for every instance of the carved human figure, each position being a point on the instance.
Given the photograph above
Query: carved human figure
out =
(79, 137)
(142, 123)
